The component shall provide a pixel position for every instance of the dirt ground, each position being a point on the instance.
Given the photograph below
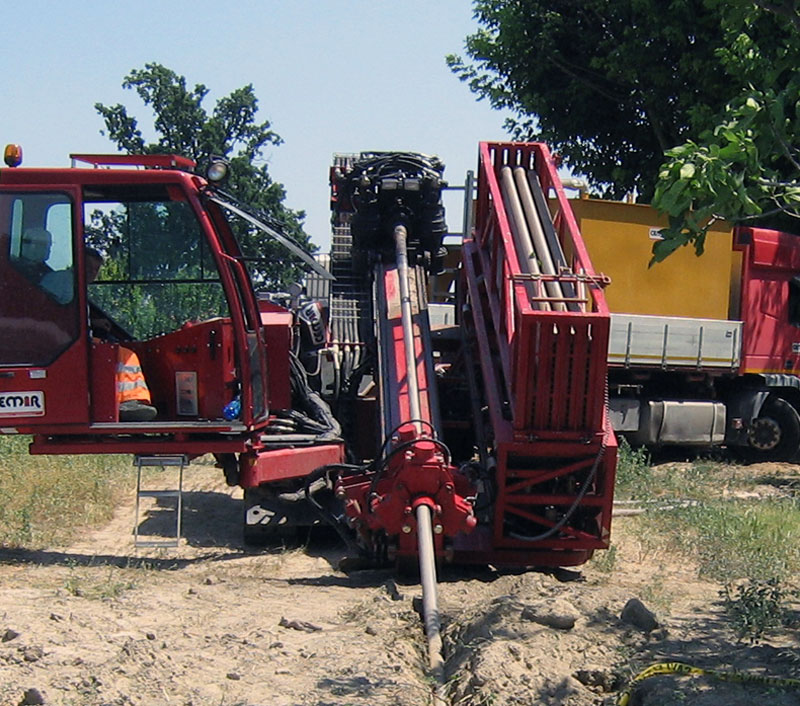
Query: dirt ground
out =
(213, 623)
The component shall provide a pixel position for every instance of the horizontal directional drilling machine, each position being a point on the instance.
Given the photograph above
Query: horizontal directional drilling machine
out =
(428, 411)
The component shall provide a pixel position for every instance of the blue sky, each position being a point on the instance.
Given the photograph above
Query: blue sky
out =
(330, 75)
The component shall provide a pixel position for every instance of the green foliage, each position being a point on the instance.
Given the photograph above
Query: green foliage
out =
(613, 86)
(755, 607)
(45, 499)
(183, 126)
(744, 169)
(634, 477)
(609, 85)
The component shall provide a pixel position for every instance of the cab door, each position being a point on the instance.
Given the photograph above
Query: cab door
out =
(43, 340)
(246, 321)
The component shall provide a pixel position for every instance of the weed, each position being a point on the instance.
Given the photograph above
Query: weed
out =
(72, 584)
(634, 475)
(605, 561)
(754, 607)
(114, 586)
(87, 584)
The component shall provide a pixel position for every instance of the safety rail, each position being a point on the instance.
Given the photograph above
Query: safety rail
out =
(551, 343)
(541, 329)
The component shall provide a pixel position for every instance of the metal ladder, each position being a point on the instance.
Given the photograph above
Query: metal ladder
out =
(166, 461)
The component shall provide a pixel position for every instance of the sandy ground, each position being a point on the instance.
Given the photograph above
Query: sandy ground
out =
(214, 623)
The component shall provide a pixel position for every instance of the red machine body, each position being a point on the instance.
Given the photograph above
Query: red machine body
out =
(770, 294)
(493, 426)
(547, 447)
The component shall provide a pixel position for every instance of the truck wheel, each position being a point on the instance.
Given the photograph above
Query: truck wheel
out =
(775, 434)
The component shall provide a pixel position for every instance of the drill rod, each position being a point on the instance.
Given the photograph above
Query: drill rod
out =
(401, 251)
(430, 600)
(425, 544)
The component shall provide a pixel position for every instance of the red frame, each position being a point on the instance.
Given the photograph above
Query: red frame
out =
(551, 377)
(152, 161)
(416, 470)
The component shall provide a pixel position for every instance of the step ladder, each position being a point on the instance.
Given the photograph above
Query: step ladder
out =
(177, 462)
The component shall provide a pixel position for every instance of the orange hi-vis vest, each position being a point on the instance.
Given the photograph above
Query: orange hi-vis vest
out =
(131, 384)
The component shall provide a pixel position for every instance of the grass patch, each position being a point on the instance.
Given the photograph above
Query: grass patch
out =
(748, 542)
(634, 476)
(698, 479)
(755, 607)
(45, 500)
(732, 539)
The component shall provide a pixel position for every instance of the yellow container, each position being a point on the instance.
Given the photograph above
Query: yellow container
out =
(620, 237)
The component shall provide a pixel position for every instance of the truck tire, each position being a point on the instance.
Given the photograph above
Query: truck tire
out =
(775, 434)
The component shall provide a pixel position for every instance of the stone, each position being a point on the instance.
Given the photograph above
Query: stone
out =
(637, 614)
(601, 679)
(32, 654)
(392, 590)
(558, 614)
(32, 697)
(301, 625)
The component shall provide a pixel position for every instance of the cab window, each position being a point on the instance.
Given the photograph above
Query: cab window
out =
(157, 272)
(794, 301)
(38, 303)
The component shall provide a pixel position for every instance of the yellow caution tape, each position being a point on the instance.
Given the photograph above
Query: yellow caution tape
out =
(681, 668)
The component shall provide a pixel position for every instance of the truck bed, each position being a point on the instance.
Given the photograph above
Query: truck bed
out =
(670, 342)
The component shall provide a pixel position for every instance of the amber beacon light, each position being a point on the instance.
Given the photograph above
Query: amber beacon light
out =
(13, 155)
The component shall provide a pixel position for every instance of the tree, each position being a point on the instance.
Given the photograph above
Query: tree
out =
(183, 126)
(612, 84)
(609, 84)
(746, 168)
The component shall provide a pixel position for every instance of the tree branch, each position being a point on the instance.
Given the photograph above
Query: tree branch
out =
(787, 10)
(562, 65)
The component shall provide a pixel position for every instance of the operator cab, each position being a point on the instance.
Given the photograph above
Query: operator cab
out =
(172, 287)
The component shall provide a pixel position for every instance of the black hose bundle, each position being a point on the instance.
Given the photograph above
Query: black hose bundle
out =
(310, 412)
